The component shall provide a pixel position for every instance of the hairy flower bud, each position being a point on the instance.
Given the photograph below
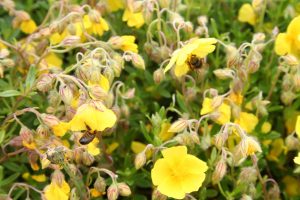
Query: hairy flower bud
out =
(178, 126)
(100, 184)
(66, 94)
(57, 177)
(124, 189)
(112, 192)
(70, 41)
(287, 97)
(158, 75)
(224, 73)
(140, 160)
(97, 92)
(44, 83)
(156, 195)
(87, 159)
(8, 62)
(219, 172)
(138, 61)
(248, 175)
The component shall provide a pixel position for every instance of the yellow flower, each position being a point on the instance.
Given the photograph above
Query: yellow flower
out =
(223, 111)
(28, 26)
(247, 14)
(60, 129)
(289, 42)
(297, 159)
(297, 128)
(164, 134)
(95, 27)
(54, 191)
(53, 60)
(178, 172)
(138, 147)
(39, 178)
(125, 43)
(92, 147)
(112, 147)
(95, 193)
(237, 98)
(266, 127)
(292, 186)
(114, 5)
(251, 146)
(97, 118)
(29, 145)
(133, 19)
(278, 147)
(57, 37)
(198, 47)
(247, 121)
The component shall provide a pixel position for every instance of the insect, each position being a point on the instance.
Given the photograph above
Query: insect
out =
(88, 136)
(194, 62)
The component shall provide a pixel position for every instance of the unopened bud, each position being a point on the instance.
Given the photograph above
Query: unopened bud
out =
(257, 5)
(219, 172)
(140, 160)
(178, 126)
(95, 16)
(100, 184)
(292, 143)
(124, 189)
(8, 62)
(57, 177)
(138, 61)
(188, 27)
(202, 20)
(112, 192)
(164, 3)
(247, 175)
(97, 92)
(291, 60)
(259, 37)
(156, 195)
(42, 130)
(71, 40)
(125, 111)
(158, 75)
(45, 82)
(66, 94)
(87, 159)
(129, 94)
(296, 79)
(4, 53)
(274, 192)
(287, 97)
(224, 73)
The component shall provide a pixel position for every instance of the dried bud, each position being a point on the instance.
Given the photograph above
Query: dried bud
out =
(140, 160)
(66, 94)
(138, 61)
(87, 159)
(158, 75)
(178, 126)
(45, 82)
(112, 192)
(100, 184)
(219, 172)
(156, 195)
(124, 189)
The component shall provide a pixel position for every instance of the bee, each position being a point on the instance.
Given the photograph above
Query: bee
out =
(88, 136)
(195, 63)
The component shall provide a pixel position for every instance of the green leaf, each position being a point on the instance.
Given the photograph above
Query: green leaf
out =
(30, 77)
(10, 93)
(1, 173)
(9, 180)
(2, 135)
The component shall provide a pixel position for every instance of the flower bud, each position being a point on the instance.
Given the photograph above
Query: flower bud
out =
(291, 60)
(112, 192)
(8, 62)
(97, 92)
(129, 94)
(158, 75)
(219, 172)
(95, 16)
(71, 41)
(248, 175)
(45, 82)
(42, 130)
(87, 159)
(178, 126)
(188, 27)
(125, 111)
(224, 73)
(250, 146)
(124, 189)
(57, 177)
(100, 184)
(274, 192)
(258, 37)
(66, 94)
(287, 97)
(138, 61)
(164, 3)
(292, 143)
(296, 79)
(202, 20)
(156, 195)
(140, 160)
(4, 53)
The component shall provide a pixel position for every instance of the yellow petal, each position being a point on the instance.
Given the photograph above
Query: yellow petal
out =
(93, 148)
(247, 14)
(297, 159)
(172, 188)
(282, 44)
(298, 126)
(181, 70)
(28, 26)
(39, 178)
